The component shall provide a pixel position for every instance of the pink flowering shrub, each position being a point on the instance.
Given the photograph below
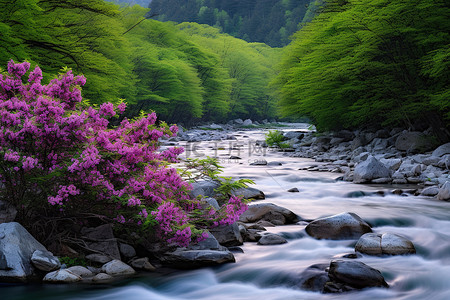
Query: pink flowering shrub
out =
(58, 152)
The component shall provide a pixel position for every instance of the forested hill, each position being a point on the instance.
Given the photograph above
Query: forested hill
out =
(265, 21)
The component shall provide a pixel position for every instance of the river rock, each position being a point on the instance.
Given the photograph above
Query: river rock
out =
(354, 274)
(80, 271)
(142, 264)
(98, 258)
(205, 188)
(412, 142)
(207, 202)
(270, 212)
(249, 193)
(338, 227)
(314, 278)
(45, 261)
(188, 259)
(392, 163)
(271, 239)
(62, 276)
(17, 246)
(117, 268)
(444, 192)
(370, 169)
(101, 239)
(386, 243)
(430, 191)
(441, 150)
(210, 243)
(7, 212)
(258, 162)
(227, 235)
(127, 251)
(102, 278)
(247, 122)
(294, 135)
(293, 190)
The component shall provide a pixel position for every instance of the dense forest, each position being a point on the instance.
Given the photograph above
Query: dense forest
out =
(371, 63)
(150, 64)
(265, 21)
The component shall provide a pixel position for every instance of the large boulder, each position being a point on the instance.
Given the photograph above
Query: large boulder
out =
(384, 244)
(7, 212)
(227, 235)
(247, 122)
(117, 268)
(271, 239)
(412, 142)
(314, 278)
(102, 239)
(444, 192)
(338, 227)
(353, 274)
(17, 246)
(249, 193)
(205, 188)
(189, 259)
(270, 212)
(441, 150)
(62, 276)
(369, 170)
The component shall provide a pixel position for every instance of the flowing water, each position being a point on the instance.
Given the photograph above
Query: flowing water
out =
(271, 272)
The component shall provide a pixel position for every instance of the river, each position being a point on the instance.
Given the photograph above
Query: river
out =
(270, 272)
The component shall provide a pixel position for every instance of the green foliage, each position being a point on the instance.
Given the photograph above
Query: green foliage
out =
(265, 21)
(370, 63)
(228, 185)
(276, 138)
(72, 261)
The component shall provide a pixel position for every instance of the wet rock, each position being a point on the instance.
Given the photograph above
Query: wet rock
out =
(7, 212)
(102, 278)
(142, 264)
(265, 223)
(127, 251)
(294, 135)
(348, 255)
(370, 169)
(384, 244)
(62, 276)
(430, 191)
(271, 239)
(355, 274)
(275, 214)
(392, 164)
(117, 268)
(102, 239)
(249, 193)
(444, 192)
(293, 190)
(227, 235)
(17, 246)
(187, 259)
(45, 261)
(412, 142)
(210, 243)
(338, 227)
(247, 122)
(259, 162)
(357, 194)
(314, 278)
(441, 150)
(236, 249)
(274, 163)
(80, 271)
(206, 202)
(205, 188)
(382, 180)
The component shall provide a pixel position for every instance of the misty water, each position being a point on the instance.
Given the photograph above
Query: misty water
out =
(271, 272)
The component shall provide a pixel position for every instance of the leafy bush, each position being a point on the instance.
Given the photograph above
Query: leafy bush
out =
(60, 156)
(276, 138)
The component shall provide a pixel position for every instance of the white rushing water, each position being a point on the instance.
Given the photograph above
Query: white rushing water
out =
(271, 272)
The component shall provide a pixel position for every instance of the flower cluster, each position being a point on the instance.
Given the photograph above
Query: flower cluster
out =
(53, 144)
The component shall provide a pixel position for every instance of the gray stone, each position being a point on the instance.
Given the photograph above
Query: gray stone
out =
(7, 212)
(338, 227)
(275, 214)
(142, 264)
(392, 163)
(17, 246)
(210, 243)
(182, 258)
(382, 180)
(271, 239)
(386, 243)
(370, 169)
(293, 190)
(127, 251)
(102, 239)
(215, 126)
(102, 278)
(205, 188)
(430, 191)
(444, 192)
(80, 271)
(431, 160)
(61, 276)
(117, 268)
(259, 162)
(441, 150)
(249, 193)
(227, 235)
(247, 122)
(294, 135)
(98, 258)
(413, 142)
(314, 278)
(355, 274)
(207, 202)
(238, 121)
(45, 261)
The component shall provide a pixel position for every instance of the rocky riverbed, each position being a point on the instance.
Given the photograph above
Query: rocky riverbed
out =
(314, 234)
